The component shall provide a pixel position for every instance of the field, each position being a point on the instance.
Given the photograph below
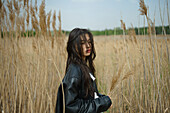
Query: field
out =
(31, 70)
(133, 74)
(133, 70)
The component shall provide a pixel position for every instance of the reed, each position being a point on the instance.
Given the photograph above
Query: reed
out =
(42, 18)
(22, 23)
(48, 23)
(11, 16)
(168, 13)
(164, 32)
(59, 30)
(34, 21)
(132, 69)
(54, 23)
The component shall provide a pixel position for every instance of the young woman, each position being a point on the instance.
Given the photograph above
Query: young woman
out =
(79, 87)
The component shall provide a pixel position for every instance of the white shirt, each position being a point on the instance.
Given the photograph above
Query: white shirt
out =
(93, 78)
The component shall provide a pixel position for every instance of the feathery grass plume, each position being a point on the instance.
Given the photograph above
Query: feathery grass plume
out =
(143, 8)
(127, 75)
(28, 16)
(59, 18)
(18, 19)
(11, 14)
(123, 25)
(3, 12)
(34, 21)
(144, 11)
(17, 7)
(116, 78)
(22, 22)
(31, 9)
(48, 23)
(132, 72)
(54, 23)
(27, 19)
(42, 18)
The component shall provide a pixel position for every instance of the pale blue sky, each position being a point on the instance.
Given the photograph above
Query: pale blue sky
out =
(104, 14)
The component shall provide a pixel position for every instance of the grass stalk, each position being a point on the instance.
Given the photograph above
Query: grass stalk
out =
(168, 13)
(164, 32)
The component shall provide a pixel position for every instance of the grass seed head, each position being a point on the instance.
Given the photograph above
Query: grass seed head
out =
(143, 8)
(54, 23)
(116, 78)
(59, 18)
(42, 18)
(48, 23)
(123, 25)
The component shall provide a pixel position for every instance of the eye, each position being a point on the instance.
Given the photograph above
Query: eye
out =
(89, 41)
(82, 42)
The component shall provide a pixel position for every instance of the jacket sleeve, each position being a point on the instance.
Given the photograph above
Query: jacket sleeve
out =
(99, 94)
(74, 104)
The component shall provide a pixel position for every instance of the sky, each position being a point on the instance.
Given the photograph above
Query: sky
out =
(105, 14)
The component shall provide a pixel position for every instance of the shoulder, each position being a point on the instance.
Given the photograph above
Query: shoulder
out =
(74, 71)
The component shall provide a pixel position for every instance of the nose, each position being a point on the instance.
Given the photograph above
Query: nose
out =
(87, 44)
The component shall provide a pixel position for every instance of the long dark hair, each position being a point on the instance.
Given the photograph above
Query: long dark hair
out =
(74, 50)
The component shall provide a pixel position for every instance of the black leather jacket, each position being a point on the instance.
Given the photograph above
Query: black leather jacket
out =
(73, 92)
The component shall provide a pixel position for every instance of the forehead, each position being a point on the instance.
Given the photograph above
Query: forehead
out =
(85, 37)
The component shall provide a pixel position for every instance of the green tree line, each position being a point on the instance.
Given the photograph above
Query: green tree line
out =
(119, 31)
(115, 31)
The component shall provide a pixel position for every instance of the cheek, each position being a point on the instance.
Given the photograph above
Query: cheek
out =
(84, 48)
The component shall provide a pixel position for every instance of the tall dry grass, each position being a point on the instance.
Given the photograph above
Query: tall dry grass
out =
(133, 70)
(136, 89)
(29, 67)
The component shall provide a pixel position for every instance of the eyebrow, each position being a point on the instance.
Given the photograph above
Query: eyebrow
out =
(86, 40)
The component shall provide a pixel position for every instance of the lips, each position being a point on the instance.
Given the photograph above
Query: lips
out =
(88, 51)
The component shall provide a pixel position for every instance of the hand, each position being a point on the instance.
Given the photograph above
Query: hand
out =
(111, 100)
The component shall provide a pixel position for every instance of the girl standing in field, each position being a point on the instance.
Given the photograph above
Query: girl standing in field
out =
(79, 87)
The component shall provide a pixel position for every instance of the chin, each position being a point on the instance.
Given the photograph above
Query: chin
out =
(87, 54)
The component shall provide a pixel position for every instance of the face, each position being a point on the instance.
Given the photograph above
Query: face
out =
(86, 46)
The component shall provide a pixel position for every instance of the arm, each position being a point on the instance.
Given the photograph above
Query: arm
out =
(99, 94)
(75, 104)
